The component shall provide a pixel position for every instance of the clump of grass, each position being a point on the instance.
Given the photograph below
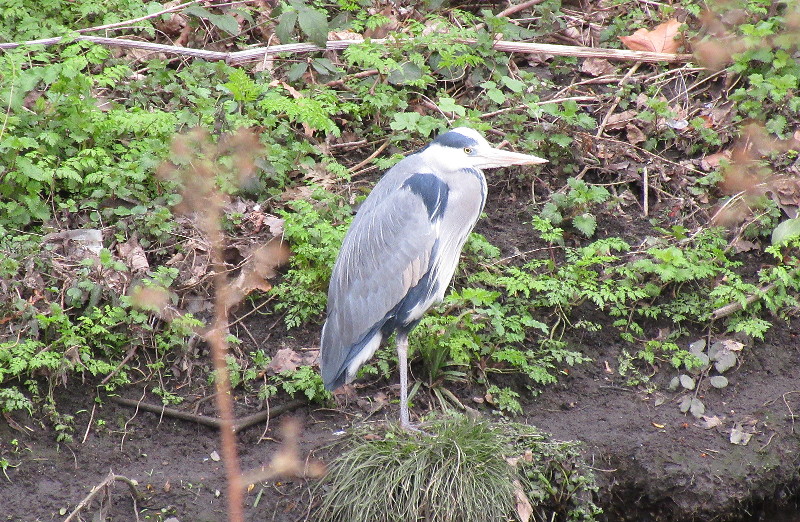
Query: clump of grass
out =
(467, 470)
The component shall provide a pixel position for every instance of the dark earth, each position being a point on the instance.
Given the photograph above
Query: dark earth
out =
(652, 462)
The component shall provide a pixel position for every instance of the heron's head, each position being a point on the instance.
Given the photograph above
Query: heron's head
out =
(464, 148)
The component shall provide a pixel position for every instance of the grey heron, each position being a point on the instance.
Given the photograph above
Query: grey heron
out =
(401, 251)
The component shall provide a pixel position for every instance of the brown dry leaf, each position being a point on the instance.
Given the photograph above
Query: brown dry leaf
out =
(742, 245)
(299, 192)
(597, 67)
(620, 119)
(734, 346)
(286, 360)
(524, 507)
(344, 35)
(134, 256)
(172, 26)
(741, 435)
(712, 161)
(634, 134)
(785, 192)
(710, 422)
(274, 224)
(662, 39)
(320, 175)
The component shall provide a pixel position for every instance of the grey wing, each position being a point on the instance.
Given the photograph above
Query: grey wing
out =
(385, 253)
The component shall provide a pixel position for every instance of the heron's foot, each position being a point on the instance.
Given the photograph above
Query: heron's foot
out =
(413, 428)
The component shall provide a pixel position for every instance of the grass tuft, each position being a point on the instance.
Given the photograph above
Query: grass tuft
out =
(467, 470)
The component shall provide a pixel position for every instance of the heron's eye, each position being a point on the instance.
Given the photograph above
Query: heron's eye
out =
(467, 150)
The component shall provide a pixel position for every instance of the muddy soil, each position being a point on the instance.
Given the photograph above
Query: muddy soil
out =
(653, 463)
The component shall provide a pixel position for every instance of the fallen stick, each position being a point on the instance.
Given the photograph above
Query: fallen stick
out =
(212, 422)
(259, 53)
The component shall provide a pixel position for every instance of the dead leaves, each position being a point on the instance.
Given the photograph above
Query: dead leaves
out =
(523, 505)
(664, 38)
(288, 360)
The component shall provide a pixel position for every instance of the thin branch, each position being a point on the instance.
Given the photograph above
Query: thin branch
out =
(132, 21)
(616, 101)
(539, 104)
(371, 157)
(735, 306)
(519, 7)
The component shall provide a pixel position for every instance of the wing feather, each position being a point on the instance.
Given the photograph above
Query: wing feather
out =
(385, 253)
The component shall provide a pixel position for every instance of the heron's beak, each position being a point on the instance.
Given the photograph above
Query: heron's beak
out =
(493, 158)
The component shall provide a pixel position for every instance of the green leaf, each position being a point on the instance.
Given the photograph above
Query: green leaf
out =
(697, 408)
(562, 140)
(513, 84)
(325, 66)
(405, 121)
(450, 105)
(225, 23)
(586, 223)
(297, 70)
(314, 24)
(405, 74)
(286, 23)
(785, 231)
(725, 361)
(496, 95)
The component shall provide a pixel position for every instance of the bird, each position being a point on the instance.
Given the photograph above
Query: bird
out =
(401, 250)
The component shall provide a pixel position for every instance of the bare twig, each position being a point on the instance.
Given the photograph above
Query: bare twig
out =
(648, 153)
(519, 7)
(734, 307)
(212, 422)
(132, 21)
(371, 157)
(792, 416)
(645, 192)
(539, 104)
(89, 424)
(128, 357)
(616, 101)
(103, 486)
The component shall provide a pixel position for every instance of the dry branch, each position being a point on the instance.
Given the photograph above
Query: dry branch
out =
(106, 483)
(259, 53)
(212, 422)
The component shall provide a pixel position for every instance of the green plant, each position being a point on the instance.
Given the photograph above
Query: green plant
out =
(315, 232)
(466, 470)
(720, 357)
(29, 19)
(574, 206)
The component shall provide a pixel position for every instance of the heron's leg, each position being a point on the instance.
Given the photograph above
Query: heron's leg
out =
(402, 357)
